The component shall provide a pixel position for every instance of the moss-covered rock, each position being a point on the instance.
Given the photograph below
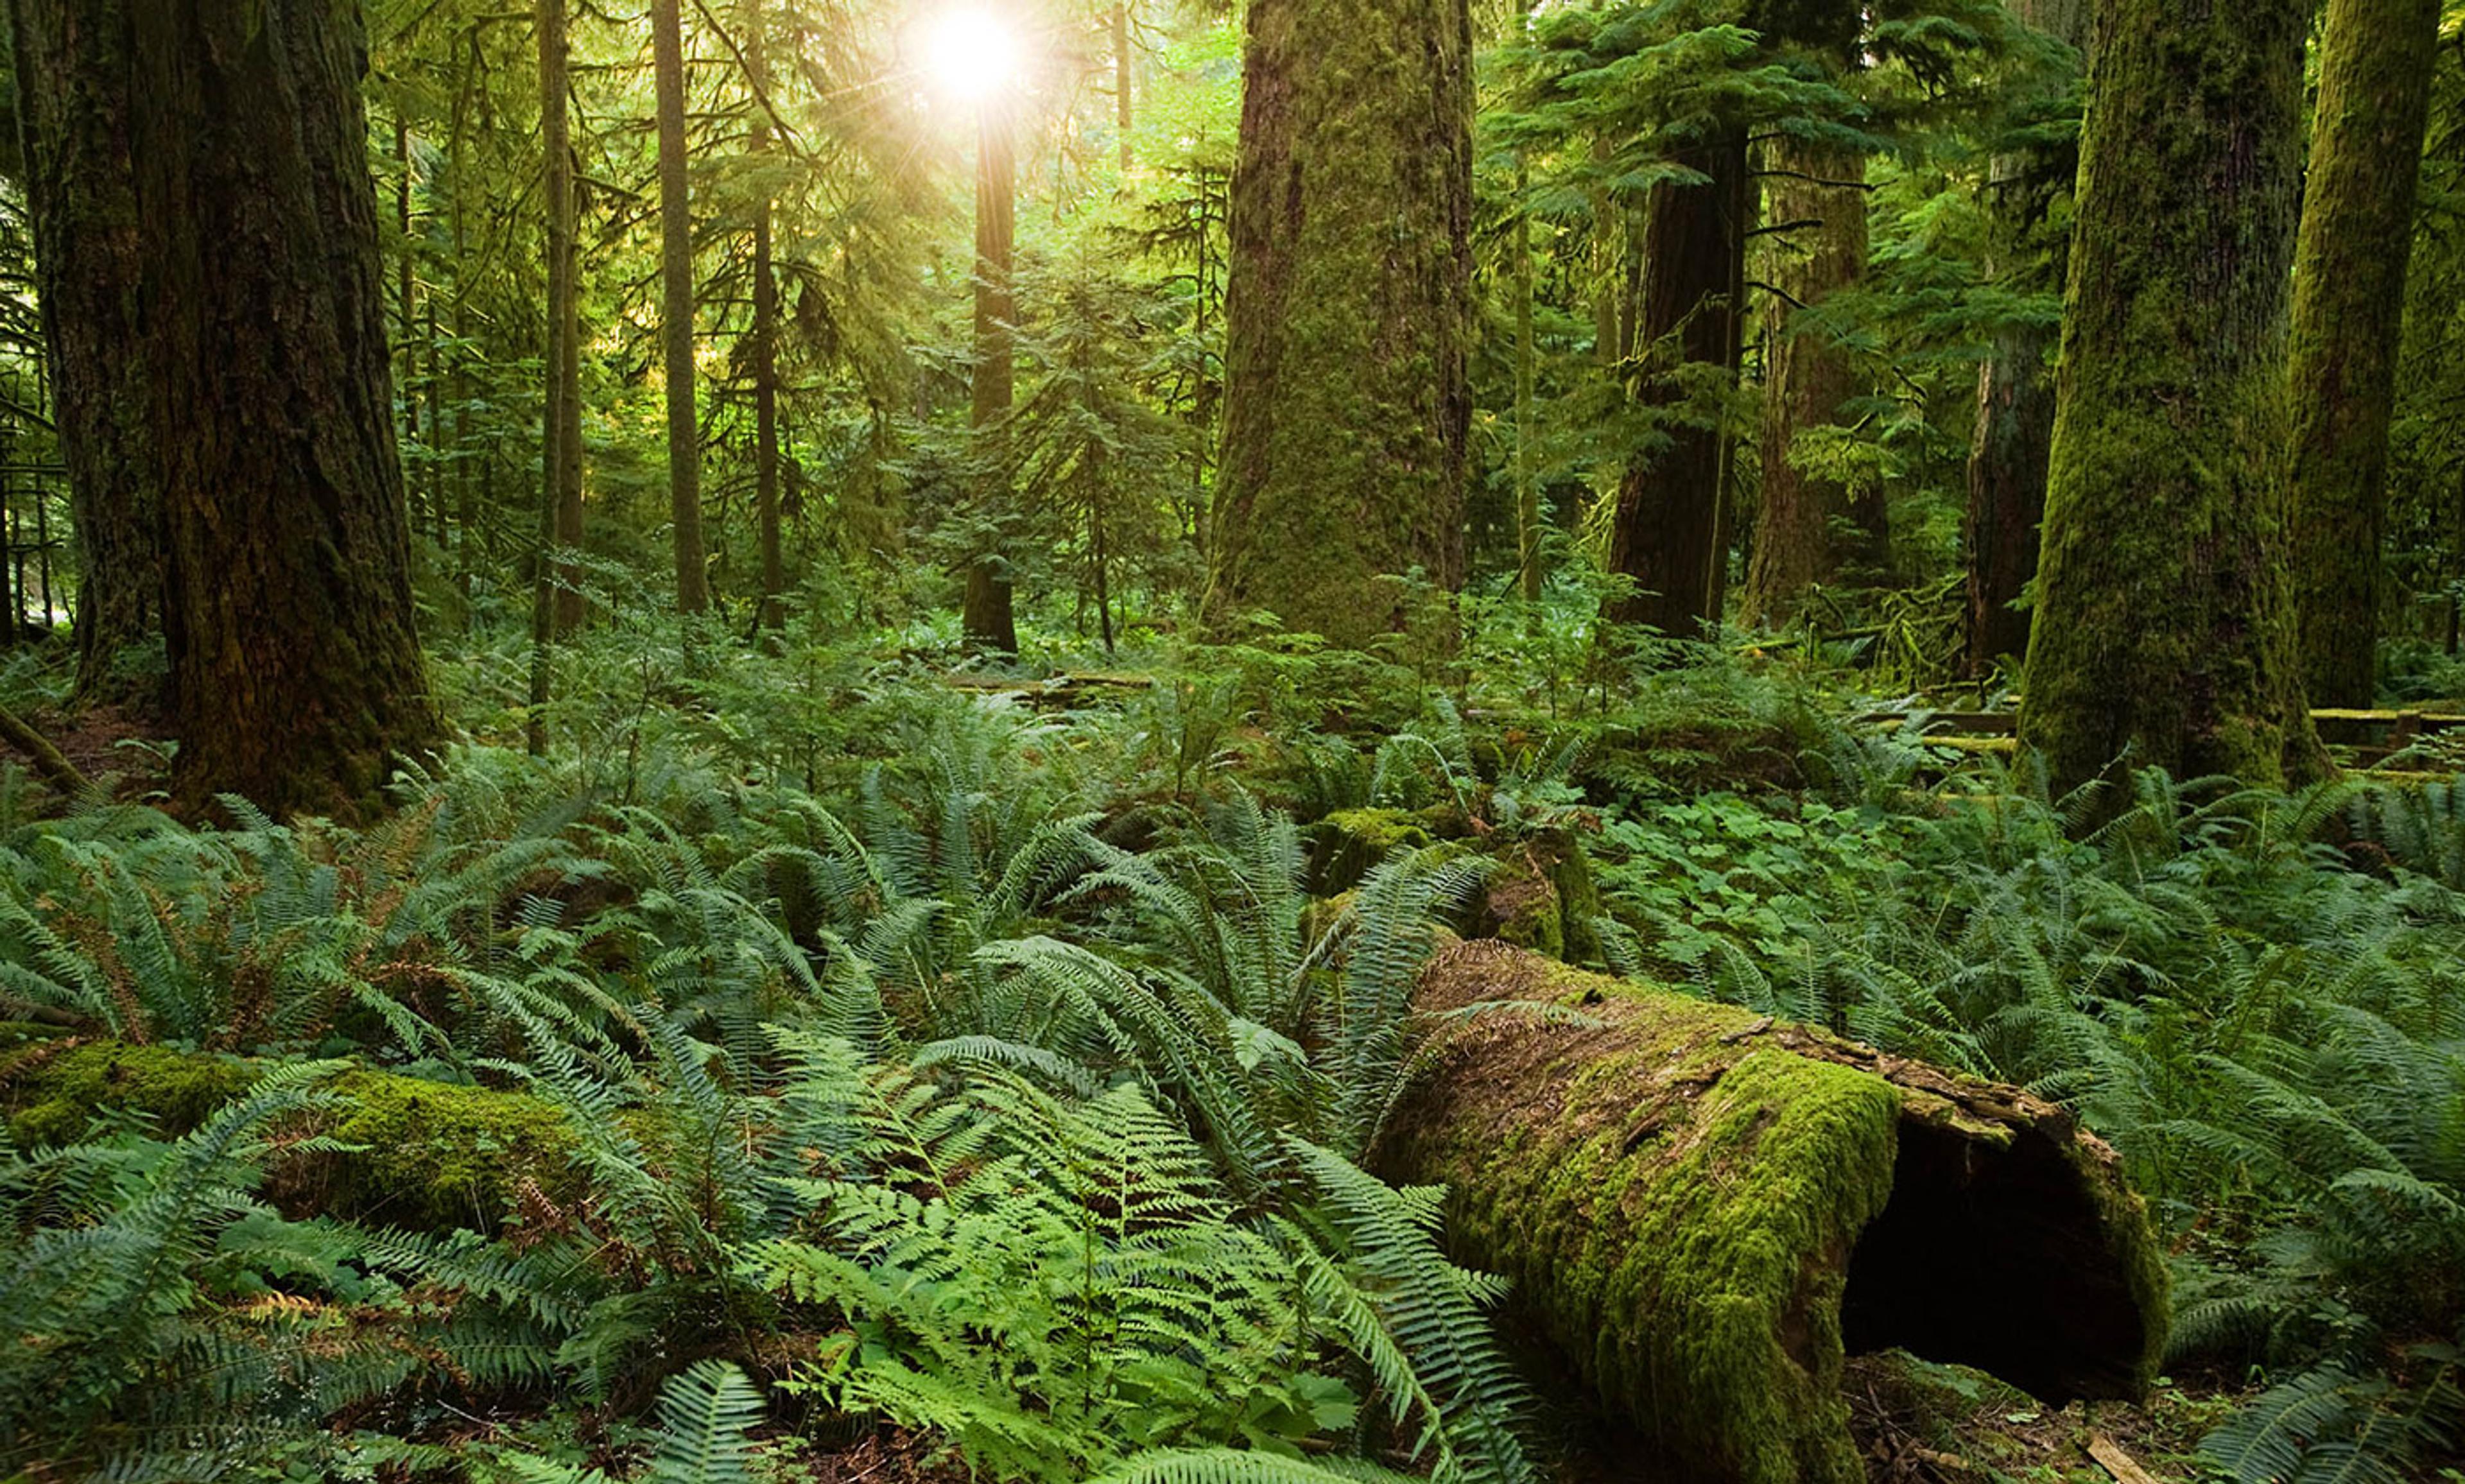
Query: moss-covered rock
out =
(425, 1154)
(1348, 844)
(1705, 1211)
(1543, 898)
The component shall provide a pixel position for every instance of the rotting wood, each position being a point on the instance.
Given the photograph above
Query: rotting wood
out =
(1705, 1210)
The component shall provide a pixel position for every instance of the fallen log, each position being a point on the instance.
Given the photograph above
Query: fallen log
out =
(1705, 1210)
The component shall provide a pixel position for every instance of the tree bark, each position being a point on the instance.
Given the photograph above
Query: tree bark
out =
(988, 619)
(554, 607)
(2165, 632)
(1669, 532)
(1527, 489)
(676, 311)
(288, 611)
(766, 358)
(1348, 402)
(1703, 1211)
(2349, 270)
(1125, 107)
(1808, 383)
(564, 465)
(2016, 387)
(73, 61)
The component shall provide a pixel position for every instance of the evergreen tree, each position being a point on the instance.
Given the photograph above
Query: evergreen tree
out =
(287, 593)
(2015, 383)
(676, 310)
(2165, 628)
(1817, 192)
(1348, 307)
(2349, 275)
(73, 79)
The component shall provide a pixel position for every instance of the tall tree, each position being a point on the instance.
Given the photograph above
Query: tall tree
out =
(2349, 270)
(677, 309)
(1347, 404)
(73, 79)
(1818, 193)
(988, 620)
(765, 341)
(2164, 626)
(554, 606)
(1669, 532)
(561, 458)
(288, 608)
(2015, 385)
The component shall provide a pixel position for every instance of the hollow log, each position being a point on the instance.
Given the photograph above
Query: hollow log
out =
(1703, 1211)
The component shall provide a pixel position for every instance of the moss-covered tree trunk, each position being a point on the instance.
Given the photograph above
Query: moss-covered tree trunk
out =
(1705, 1212)
(988, 617)
(1670, 533)
(2164, 624)
(1347, 404)
(73, 81)
(288, 610)
(676, 310)
(2349, 270)
(2015, 385)
(1817, 190)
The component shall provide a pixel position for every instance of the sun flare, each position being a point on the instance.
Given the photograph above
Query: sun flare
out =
(973, 53)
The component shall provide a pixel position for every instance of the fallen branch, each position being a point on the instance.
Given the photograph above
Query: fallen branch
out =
(50, 763)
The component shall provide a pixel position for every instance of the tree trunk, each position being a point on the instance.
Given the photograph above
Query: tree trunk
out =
(1703, 1211)
(1125, 107)
(988, 620)
(1670, 533)
(2165, 634)
(676, 310)
(561, 391)
(1527, 490)
(2349, 269)
(288, 608)
(765, 358)
(1347, 404)
(1808, 383)
(564, 314)
(2016, 387)
(73, 64)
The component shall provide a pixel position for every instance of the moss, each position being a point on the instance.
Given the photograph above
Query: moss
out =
(438, 1154)
(1348, 844)
(55, 1092)
(428, 1154)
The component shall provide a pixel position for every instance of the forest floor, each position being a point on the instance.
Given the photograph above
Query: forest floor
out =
(1924, 1423)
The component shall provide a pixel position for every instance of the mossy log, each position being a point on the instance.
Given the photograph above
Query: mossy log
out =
(432, 1156)
(1705, 1210)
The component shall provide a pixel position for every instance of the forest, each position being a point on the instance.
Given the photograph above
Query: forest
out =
(1232, 741)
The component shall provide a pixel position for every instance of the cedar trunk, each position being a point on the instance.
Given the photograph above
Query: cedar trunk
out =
(1347, 404)
(676, 310)
(1671, 533)
(1703, 1211)
(988, 619)
(2349, 270)
(1807, 382)
(73, 78)
(288, 608)
(2016, 387)
(766, 352)
(2165, 632)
